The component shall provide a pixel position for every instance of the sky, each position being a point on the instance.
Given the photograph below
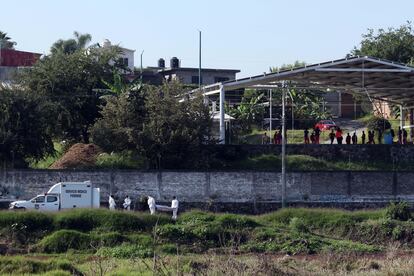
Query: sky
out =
(247, 35)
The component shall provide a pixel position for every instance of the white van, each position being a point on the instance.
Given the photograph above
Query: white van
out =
(63, 195)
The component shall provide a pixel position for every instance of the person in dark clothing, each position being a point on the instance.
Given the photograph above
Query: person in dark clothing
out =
(392, 135)
(306, 136)
(399, 135)
(354, 139)
(405, 136)
(279, 137)
(338, 136)
(312, 138)
(379, 136)
(332, 136)
(317, 135)
(363, 137)
(348, 139)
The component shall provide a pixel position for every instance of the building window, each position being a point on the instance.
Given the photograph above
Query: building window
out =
(123, 61)
(220, 79)
(194, 79)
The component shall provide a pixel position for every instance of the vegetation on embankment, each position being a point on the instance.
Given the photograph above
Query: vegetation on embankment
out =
(290, 231)
(102, 235)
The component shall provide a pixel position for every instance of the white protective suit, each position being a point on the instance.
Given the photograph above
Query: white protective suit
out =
(174, 206)
(151, 204)
(127, 203)
(112, 203)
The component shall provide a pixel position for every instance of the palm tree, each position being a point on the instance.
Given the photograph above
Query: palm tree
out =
(71, 45)
(5, 42)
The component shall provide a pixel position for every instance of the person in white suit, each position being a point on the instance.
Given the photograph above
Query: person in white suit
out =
(174, 206)
(151, 204)
(112, 203)
(127, 203)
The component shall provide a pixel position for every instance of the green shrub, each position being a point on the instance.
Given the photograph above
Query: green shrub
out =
(268, 240)
(168, 248)
(397, 233)
(35, 221)
(298, 225)
(345, 246)
(398, 211)
(126, 251)
(20, 265)
(331, 221)
(196, 217)
(235, 221)
(105, 220)
(175, 232)
(141, 239)
(108, 239)
(81, 220)
(63, 240)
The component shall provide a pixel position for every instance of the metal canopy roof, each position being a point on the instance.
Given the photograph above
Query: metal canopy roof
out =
(381, 79)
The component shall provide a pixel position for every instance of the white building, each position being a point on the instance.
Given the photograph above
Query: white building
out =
(127, 56)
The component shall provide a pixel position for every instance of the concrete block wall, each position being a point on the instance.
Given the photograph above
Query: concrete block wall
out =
(225, 187)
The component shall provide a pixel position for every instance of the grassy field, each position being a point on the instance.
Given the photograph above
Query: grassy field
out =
(309, 163)
(293, 136)
(287, 242)
(48, 160)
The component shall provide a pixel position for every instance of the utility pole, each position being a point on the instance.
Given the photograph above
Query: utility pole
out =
(199, 59)
(141, 61)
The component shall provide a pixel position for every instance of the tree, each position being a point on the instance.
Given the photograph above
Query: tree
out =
(70, 46)
(154, 122)
(249, 111)
(175, 131)
(122, 118)
(5, 41)
(25, 127)
(296, 64)
(395, 44)
(74, 82)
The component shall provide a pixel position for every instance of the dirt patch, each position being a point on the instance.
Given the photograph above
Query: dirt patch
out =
(78, 156)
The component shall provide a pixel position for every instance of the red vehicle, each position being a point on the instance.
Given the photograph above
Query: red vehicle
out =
(326, 125)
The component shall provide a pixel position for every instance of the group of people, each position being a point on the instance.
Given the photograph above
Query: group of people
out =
(151, 205)
(277, 138)
(314, 137)
(126, 205)
(337, 134)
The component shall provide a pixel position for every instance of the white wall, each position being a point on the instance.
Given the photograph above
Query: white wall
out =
(129, 54)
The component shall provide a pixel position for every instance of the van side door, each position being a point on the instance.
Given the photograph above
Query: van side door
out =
(52, 203)
(39, 202)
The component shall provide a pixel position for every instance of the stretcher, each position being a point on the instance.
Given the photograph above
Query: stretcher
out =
(163, 208)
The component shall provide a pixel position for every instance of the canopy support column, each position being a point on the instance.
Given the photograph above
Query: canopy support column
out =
(283, 178)
(402, 117)
(270, 114)
(411, 124)
(222, 112)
